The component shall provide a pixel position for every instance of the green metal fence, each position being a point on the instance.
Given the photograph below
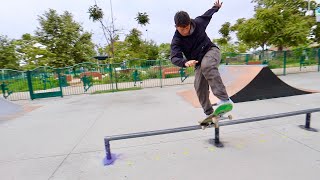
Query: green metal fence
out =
(14, 84)
(297, 58)
(91, 78)
(44, 82)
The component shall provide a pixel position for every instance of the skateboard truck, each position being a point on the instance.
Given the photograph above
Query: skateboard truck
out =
(215, 123)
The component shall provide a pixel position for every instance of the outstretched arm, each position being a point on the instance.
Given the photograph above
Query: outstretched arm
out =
(206, 17)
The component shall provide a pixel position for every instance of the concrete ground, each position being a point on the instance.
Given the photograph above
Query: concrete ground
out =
(7, 108)
(62, 139)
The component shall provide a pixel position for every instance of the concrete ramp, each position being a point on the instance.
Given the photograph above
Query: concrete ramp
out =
(248, 83)
(8, 109)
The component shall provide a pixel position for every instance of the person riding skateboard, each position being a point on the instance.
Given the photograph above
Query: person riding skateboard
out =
(191, 47)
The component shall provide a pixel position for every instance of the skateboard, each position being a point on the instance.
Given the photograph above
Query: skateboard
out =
(216, 116)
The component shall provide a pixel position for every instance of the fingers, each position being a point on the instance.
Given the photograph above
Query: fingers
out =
(191, 63)
(218, 3)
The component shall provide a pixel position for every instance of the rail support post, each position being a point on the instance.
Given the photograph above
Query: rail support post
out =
(217, 142)
(307, 125)
(109, 159)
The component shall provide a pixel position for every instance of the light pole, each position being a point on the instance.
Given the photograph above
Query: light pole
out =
(309, 12)
(112, 34)
(112, 15)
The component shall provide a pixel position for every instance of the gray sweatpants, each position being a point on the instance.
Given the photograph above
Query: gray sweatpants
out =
(208, 75)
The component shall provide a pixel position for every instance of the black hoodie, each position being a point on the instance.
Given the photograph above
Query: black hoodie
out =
(195, 45)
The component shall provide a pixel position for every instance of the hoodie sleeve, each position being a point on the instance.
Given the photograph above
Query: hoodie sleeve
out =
(206, 17)
(176, 54)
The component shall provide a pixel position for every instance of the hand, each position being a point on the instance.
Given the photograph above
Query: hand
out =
(191, 63)
(218, 4)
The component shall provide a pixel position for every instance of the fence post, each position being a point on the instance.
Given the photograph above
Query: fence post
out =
(30, 84)
(284, 62)
(318, 60)
(110, 71)
(59, 79)
(2, 74)
(160, 69)
(116, 78)
(302, 61)
(247, 59)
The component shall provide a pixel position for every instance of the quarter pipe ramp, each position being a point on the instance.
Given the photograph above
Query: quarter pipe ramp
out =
(248, 83)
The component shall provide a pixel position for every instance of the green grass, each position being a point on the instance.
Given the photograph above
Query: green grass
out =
(119, 90)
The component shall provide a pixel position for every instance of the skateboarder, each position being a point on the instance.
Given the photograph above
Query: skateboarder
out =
(191, 47)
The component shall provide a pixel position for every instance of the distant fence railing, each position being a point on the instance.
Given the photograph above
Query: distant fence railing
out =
(300, 58)
(97, 78)
(91, 78)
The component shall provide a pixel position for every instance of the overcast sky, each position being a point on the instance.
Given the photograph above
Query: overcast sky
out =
(18, 17)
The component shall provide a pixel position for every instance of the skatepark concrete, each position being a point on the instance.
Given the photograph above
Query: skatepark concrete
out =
(10, 110)
(7, 108)
(63, 138)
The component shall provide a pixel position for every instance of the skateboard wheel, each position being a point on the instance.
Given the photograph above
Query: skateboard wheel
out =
(230, 117)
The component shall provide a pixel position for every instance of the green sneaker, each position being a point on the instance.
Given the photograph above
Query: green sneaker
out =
(223, 108)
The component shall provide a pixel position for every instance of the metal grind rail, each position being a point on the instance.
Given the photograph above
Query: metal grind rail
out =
(109, 159)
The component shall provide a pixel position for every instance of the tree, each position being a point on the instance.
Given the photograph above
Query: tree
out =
(294, 31)
(110, 34)
(297, 10)
(142, 18)
(164, 50)
(277, 24)
(133, 47)
(225, 43)
(130, 48)
(83, 48)
(64, 38)
(299, 6)
(316, 33)
(123, 51)
(8, 55)
(315, 30)
(149, 50)
(95, 13)
(225, 32)
(31, 52)
(134, 39)
(225, 47)
(139, 48)
(257, 31)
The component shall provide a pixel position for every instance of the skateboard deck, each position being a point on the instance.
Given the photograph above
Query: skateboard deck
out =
(216, 116)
